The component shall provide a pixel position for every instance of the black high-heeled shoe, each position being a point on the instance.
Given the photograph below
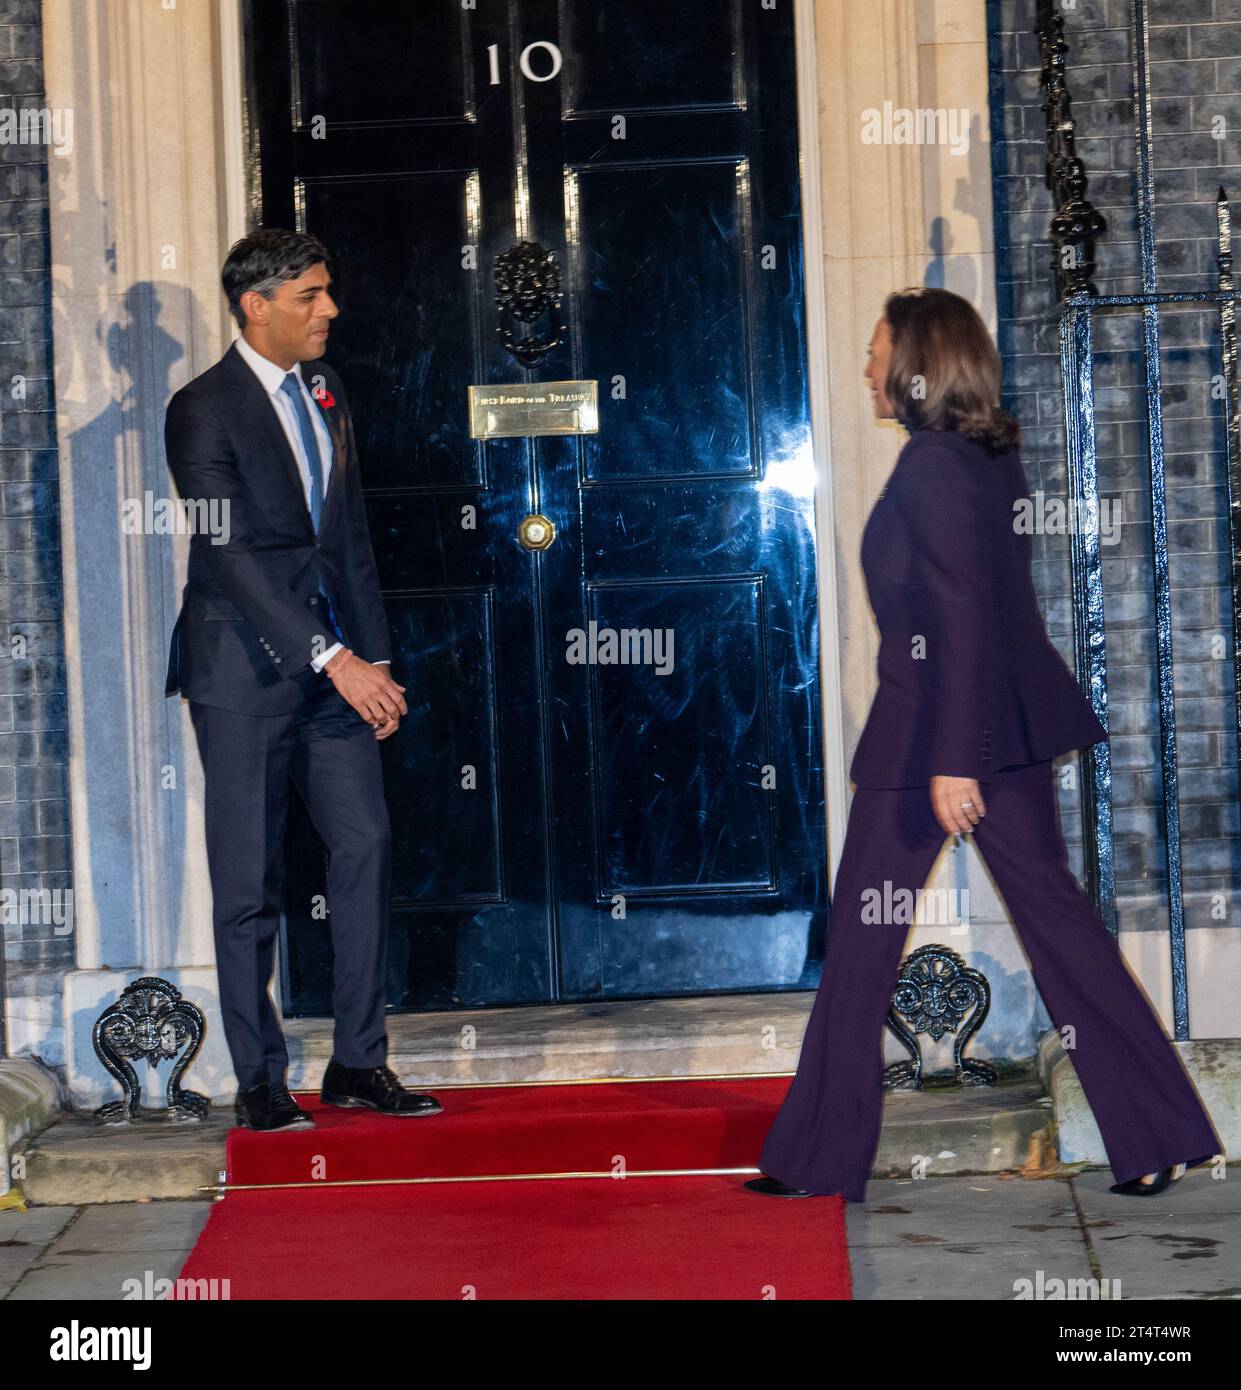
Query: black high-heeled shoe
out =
(1164, 1179)
(773, 1187)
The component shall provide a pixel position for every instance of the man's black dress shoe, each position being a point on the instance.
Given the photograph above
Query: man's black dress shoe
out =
(270, 1106)
(773, 1187)
(376, 1088)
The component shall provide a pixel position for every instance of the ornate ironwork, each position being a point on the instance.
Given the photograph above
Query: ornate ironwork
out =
(1075, 314)
(1232, 440)
(1077, 223)
(1143, 117)
(938, 993)
(150, 1022)
(527, 281)
(1086, 575)
(4, 995)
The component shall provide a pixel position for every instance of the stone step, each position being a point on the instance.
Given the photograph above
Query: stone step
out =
(713, 1035)
(956, 1130)
(29, 1096)
(939, 1131)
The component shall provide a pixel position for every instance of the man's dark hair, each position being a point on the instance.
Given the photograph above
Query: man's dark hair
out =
(264, 260)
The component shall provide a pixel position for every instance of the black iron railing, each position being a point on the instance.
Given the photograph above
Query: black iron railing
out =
(1074, 230)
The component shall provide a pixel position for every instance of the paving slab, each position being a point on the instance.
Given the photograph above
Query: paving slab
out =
(986, 1208)
(963, 1239)
(24, 1235)
(1184, 1243)
(952, 1239)
(132, 1226)
(115, 1252)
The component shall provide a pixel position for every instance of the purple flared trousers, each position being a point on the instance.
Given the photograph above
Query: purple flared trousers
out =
(825, 1136)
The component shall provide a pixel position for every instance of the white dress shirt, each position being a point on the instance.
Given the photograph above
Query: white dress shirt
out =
(271, 377)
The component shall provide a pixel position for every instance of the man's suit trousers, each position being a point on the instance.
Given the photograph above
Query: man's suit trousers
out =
(332, 756)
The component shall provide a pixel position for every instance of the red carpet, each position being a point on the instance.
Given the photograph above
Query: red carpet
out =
(663, 1237)
(523, 1129)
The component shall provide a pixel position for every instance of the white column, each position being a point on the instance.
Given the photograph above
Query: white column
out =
(138, 230)
(894, 215)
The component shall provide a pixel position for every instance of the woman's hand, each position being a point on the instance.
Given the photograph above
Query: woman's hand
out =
(947, 795)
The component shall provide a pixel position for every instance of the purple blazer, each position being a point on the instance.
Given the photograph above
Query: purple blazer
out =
(969, 683)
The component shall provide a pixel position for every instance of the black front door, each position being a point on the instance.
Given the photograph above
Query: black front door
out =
(570, 824)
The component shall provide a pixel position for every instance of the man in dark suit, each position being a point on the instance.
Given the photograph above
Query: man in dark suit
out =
(281, 649)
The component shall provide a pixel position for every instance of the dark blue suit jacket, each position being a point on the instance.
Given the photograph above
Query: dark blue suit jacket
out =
(252, 616)
(969, 683)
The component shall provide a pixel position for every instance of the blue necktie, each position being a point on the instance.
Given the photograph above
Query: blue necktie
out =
(291, 386)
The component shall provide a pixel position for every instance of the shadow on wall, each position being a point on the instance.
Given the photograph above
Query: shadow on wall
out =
(126, 588)
(960, 271)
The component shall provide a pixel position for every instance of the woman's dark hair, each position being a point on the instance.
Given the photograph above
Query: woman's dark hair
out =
(264, 260)
(944, 372)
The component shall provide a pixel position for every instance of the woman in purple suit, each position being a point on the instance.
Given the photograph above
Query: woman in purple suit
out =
(973, 703)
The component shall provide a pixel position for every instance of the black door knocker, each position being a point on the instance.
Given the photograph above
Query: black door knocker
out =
(527, 287)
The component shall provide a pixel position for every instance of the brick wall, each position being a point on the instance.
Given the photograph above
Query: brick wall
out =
(1195, 80)
(34, 813)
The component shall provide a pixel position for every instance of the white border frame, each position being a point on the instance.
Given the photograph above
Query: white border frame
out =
(815, 288)
(232, 100)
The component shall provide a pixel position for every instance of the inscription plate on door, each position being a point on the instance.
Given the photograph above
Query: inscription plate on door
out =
(535, 407)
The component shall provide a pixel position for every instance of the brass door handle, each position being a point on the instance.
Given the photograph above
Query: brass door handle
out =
(536, 531)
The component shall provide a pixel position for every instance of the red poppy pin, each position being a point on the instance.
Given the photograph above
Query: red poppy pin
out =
(324, 397)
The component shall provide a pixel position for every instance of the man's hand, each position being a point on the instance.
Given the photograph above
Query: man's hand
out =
(947, 796)
(370, 690)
